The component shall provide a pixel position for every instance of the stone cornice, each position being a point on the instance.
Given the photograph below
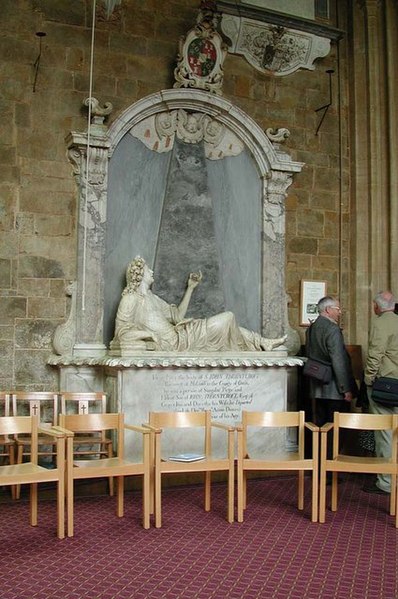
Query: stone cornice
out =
(165, 360)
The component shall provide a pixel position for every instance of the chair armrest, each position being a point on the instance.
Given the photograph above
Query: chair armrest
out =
(152, 428)
(327, 427)
(55, 431)
(312, 427)
(138, 429)
(225, 427)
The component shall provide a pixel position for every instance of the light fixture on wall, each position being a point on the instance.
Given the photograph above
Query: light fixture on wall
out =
(325, 107)
(36, 65)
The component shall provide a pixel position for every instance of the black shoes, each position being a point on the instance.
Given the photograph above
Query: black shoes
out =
(373, 488)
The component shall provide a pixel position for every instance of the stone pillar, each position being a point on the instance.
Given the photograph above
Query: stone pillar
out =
(391, 25)
(374, 90)
(91, 238)
(377, 150)
(273, 310)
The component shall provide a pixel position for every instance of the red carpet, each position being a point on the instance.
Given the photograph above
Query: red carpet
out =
(275, 553)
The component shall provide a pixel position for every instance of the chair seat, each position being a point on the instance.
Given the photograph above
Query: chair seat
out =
(28, 470)
(283, 461)
(208, 465)
(117, 465)
(349, 463)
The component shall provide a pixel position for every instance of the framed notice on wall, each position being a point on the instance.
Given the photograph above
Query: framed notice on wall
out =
(311, 293)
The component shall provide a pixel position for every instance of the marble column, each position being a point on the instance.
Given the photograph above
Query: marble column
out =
(91, 238)
(274, 312)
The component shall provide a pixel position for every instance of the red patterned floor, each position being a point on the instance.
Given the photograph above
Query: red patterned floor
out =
(276, 553)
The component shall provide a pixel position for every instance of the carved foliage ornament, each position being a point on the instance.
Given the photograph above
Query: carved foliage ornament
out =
(159, 131)
(202, 53)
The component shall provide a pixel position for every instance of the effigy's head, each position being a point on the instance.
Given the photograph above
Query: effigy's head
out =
(134, 274)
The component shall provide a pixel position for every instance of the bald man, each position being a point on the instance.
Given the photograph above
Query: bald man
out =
(382, 360)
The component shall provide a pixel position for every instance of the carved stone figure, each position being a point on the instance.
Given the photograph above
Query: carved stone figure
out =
(144, 321)
(65, 333)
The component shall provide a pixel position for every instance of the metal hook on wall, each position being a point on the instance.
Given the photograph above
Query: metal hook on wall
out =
(325, 107)
(36, 65)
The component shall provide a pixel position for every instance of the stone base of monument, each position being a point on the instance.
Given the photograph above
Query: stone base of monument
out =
(224, 383)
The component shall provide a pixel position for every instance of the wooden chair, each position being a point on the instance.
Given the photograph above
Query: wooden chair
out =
(158, 421)
(86, 444)
(283, 460)
(44, 405)
(30, 472)
(350, 463)
(7, 443)
(98, 468)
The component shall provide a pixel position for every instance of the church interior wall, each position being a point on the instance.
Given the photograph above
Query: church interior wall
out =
(135, 55)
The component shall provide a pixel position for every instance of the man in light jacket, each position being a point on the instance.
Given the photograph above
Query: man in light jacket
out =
(382, 360)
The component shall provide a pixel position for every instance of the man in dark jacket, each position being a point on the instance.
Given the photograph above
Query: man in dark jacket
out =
(324, 341)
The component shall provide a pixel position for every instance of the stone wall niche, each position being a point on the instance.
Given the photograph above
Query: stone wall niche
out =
(127, 215)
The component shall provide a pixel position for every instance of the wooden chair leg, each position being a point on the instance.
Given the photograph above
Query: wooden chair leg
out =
(393, 497)
(300, 502)
(158, 500)
(240, 492)
(334, 491)
(231, 494)
(110, 481)
(33, 504)
(146, 501)
(207, 491)
(322, 482)
(315, 487)
(120, 496)
(19, 461)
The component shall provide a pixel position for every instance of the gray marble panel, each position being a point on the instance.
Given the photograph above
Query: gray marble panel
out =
(236, 189)
(137, 182)
(187, 241)
(223, 391)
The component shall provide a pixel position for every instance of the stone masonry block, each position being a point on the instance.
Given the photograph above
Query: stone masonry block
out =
(34, 287)
(52, 307)
(53, 226)
(46, 202)
(31, 368)
(40, 267)
(11, 308)
(65, 11)
(5, 273)
(303, 245)
(8, 244)
(310, 223)
(6, 332)
(34, 334)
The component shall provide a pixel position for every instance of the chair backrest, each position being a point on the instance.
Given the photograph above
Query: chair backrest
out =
(375, 422)
(275, 420)
(162, 420)
(42, 404)
(4, 404)
(15, 425)
(90, 423)
(82, 402)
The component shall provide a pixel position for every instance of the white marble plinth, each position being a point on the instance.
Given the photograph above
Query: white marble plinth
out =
(225, 384)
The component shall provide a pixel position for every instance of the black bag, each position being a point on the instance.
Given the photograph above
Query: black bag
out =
(318, 370)
(385, 391)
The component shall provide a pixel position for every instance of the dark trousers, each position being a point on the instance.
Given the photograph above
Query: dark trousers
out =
(324, 412)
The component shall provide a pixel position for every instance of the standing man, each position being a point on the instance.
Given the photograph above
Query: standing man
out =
(382, 360)
(324, 341)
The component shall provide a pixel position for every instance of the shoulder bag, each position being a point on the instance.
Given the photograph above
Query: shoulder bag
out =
(317, 369)
(385, 391)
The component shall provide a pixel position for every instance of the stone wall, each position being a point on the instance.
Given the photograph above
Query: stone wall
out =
(135, 54)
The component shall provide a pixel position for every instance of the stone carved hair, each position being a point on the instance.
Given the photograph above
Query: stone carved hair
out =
(134, 274)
